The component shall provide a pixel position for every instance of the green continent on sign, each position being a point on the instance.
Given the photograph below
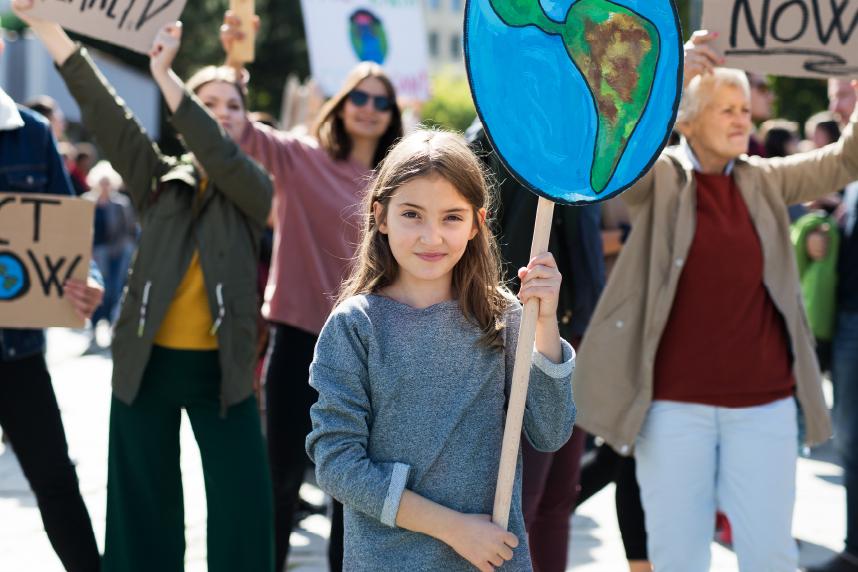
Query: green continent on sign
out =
(617, 51)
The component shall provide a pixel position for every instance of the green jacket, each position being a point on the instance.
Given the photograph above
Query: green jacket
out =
(818, 278)
(225, 224)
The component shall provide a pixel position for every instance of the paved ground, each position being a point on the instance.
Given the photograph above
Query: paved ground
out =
(82, 386)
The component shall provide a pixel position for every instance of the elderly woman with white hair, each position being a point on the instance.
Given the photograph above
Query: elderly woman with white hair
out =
(700, 346)
(114, 238)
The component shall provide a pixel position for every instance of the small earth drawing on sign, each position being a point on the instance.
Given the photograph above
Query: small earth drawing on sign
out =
(368, 37)
(610, 51)
(14, 281)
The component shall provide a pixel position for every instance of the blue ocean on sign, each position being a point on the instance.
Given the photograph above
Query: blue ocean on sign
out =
(539, 111)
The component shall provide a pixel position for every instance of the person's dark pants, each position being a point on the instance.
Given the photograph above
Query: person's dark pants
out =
(145, 504)
(602, 467)
(31, 419)
(335, 542)
(288, 398)
(549, 489)
(844, 374)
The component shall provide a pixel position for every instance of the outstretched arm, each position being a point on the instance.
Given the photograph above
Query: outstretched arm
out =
(241, 180)
(807, 176)
(122, 139)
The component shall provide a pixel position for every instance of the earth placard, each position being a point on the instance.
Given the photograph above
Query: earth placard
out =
(578, 97)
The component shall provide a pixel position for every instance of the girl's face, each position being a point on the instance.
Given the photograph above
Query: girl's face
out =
(428, 226)
(224, 102)
(366, 121)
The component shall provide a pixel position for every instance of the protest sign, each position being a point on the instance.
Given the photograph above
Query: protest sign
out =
(341, 33)
(132, 24)
(244, 50)
(44, 240)
(578, 102)
(800, 38)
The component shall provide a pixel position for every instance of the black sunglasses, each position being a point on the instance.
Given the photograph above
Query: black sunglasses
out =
(379, 102)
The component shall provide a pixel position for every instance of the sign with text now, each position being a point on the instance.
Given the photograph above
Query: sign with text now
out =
(132, 24)
(800, 38)
(44, 240)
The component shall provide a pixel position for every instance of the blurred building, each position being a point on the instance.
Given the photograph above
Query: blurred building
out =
(27, 70)
(444, 24)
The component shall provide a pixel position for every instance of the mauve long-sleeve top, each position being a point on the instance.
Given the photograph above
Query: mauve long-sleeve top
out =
(317, 208)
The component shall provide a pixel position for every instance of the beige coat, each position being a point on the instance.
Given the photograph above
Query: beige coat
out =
(614, 373)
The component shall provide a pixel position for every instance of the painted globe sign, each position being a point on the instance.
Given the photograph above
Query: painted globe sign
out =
(577, 96)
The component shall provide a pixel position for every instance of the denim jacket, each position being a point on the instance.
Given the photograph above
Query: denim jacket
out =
(29, 163)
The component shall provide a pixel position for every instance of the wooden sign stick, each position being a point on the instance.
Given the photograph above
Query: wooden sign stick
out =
(520, 376)
(244, 51)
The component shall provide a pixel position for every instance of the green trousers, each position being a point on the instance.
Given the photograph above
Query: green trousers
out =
(145, 505)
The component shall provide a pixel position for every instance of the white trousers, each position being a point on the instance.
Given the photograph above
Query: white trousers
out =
(693, 459)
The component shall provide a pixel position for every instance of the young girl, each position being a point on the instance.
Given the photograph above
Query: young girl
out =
(185, 335)
(413, 369)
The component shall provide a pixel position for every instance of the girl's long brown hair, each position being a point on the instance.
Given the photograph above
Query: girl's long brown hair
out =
(476, 277)
(329, 128)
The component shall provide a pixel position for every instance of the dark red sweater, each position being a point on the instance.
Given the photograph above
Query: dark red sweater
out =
(724, 343)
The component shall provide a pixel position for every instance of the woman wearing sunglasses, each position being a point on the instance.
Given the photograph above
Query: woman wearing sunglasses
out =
(318, 181)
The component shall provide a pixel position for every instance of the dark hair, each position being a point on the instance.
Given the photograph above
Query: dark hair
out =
(330, 130)
(777, 140)
(225, 74)
(44, 105)
(831, 130)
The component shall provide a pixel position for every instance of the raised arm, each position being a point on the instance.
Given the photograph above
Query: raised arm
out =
(238, 177)
(807, 176)
(122, 139)
(271, 147)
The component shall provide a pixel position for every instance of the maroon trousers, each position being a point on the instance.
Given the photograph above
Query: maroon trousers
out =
(549, 493)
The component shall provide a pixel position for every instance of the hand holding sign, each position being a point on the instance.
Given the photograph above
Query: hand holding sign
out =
(233, 32)
(700, 58)
(127, 23)
(540, 280)
(165, 47)
(56, 41)
(85, 296)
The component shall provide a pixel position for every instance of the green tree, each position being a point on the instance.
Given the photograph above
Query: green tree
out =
(451, 106)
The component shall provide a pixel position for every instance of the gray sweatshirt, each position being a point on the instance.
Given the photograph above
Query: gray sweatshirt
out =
(409, 399)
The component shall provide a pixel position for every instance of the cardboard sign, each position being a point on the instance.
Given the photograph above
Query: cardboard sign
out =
(577, 101)
(129, 23)
(44, 240)
(800, 38)
(244, 50)
(391, 33)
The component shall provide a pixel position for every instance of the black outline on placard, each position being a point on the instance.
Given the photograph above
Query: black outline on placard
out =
(606, 196)
(820, 67)
(26, 287)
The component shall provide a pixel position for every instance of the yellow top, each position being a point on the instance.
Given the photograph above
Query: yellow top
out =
(188, 323)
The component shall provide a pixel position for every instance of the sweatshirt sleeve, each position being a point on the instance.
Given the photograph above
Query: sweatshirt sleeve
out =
(341, 421)
(549, 411)
(273, 149)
